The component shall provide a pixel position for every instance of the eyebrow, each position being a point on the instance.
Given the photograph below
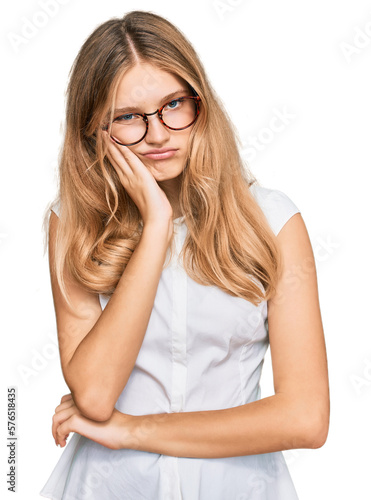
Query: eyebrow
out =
(163, 100)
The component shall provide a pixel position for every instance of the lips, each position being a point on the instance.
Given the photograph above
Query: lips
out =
(160, 154)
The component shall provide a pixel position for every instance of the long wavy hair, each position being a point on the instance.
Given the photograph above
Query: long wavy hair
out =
(229, 243)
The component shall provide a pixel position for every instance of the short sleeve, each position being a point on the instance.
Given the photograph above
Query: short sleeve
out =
(56, 207)
(278, 208)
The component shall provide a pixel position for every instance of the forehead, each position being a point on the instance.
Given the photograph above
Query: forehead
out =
(146, 85)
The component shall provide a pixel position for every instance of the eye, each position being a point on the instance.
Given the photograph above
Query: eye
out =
(125, 118)
(173, 104)
(129, 119)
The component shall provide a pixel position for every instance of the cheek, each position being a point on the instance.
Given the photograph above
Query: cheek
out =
(135, 149)
(185, 141)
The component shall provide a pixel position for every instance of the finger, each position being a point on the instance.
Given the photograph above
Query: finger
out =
(59, 418)
(63, 406)
(122, 168)
(72, 424)
(116, 156)
(66, 397)
(123, 152)
(62, 432)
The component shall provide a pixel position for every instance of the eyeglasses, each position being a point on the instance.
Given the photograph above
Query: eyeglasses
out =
(177, 114)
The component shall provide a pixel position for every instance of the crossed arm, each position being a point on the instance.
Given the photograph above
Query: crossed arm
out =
(296, 416)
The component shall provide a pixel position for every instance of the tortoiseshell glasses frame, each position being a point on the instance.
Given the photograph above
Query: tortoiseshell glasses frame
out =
(195, 98)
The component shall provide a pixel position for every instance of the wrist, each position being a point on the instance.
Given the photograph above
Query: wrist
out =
(132, 426)
(145, 431)
(160, 229)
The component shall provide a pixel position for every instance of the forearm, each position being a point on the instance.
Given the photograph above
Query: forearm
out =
(103, 361)
(271, 424)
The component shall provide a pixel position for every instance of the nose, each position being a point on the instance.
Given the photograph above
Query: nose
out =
(157, 132)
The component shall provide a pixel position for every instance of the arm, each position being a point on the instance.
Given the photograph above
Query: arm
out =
(98, 353)
(295, 417)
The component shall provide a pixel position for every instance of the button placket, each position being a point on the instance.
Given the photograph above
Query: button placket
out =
(178, 327)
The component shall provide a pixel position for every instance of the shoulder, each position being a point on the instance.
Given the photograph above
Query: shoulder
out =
(55, 207)
(277, 207)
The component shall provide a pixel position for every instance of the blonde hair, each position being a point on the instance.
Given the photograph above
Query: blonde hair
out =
(229, 242)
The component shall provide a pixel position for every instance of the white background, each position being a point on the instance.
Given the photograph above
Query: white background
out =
(262, 57)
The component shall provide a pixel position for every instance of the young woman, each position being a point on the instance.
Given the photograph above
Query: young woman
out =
(169, 265)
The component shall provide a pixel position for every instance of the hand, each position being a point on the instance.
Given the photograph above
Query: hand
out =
(139, 183)
(114, 433)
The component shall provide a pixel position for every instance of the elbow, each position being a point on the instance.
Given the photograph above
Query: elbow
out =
(319, 437)
(93, 407)
(316, 429)
(92, 402)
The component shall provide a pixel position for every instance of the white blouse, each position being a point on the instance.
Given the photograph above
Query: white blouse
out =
(203, 350)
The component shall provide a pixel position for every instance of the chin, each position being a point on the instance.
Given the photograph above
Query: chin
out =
(164, 176)
(164, 171)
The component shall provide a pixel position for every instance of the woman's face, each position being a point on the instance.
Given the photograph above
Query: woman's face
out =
(144, 89)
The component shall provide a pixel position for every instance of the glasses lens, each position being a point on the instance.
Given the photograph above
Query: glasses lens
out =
(128, 129)
(179, 113)
(176, 114)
